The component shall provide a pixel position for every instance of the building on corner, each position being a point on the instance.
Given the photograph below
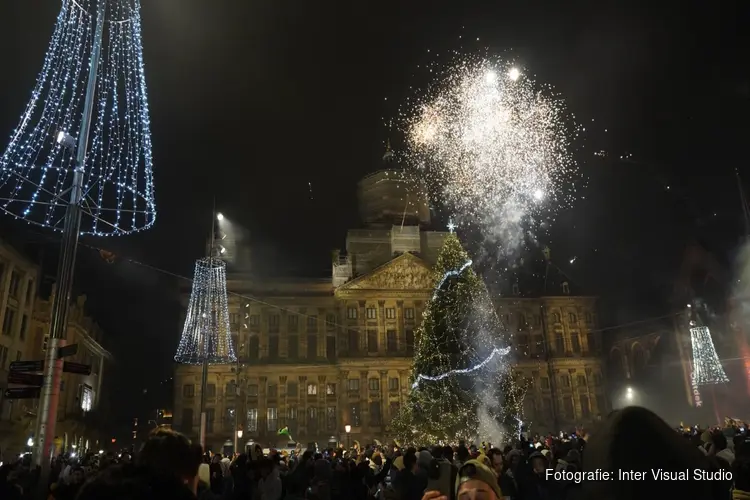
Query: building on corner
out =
(19, 277)
(81, 414)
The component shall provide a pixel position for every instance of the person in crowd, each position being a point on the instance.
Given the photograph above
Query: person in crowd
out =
(170, 454)
(269, 482)
(741, 477)
(408, 485)
(618, 445)
(69, 490)
(127, 482)
(474, 481)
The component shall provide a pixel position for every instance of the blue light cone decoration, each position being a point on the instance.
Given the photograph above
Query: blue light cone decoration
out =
(206, 335)
(36, 169)
(707, 369)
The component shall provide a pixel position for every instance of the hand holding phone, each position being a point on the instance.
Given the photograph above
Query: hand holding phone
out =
(440, 477)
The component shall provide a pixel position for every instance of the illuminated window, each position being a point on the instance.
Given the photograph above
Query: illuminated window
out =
(252, 420)
(87, 398)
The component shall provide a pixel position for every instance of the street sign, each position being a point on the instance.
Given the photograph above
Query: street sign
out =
(23, 393)
(79, 368)
(68, 350)
(27, 366)
(25, 379)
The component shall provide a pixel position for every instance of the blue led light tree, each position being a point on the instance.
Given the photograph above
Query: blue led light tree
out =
(79, 160)
(206, 335)
(112, 131)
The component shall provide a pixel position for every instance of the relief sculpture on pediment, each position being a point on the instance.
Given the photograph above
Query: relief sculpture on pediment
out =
(399, 276)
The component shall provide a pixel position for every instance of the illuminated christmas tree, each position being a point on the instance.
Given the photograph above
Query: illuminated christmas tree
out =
(460, 370)
(206, 335)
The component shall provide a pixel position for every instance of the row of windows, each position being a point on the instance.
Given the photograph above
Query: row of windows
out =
(566, 381)
(314, 418)
(577, 342)
(372, 346)
(253, 321)
(535, 320)
(567, 410)
(292, 388)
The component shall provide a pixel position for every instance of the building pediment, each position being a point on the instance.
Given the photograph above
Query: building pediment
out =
(405, 272)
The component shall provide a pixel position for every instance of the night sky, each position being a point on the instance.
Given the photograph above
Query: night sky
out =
(252, 100)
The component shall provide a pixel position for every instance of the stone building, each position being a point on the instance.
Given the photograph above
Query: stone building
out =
(18, 283)
(318, 356)
(558, 349)
(80, 395)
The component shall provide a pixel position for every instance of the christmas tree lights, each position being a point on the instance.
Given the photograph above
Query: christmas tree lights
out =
(707, 369)
(460, 365)
(37, 166)
(206, 335)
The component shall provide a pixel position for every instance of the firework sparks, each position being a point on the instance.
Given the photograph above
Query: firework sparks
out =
(492, 145)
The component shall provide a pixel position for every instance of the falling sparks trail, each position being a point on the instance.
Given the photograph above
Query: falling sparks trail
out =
(463, 371)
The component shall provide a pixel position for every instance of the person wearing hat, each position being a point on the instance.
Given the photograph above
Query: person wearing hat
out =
(475, 480)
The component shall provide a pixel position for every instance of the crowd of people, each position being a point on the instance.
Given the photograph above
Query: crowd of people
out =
(538, 468)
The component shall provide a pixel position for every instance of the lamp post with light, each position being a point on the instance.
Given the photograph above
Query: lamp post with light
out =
(237, 437)
(348, 429)
(629, 395)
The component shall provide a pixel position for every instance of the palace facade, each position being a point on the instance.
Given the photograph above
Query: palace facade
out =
(319, 357)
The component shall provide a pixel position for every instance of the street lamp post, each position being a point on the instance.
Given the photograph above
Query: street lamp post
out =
(237, 438)
(348, 429)
(237, 394)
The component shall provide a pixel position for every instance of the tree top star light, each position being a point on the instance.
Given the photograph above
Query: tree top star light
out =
(206, 335)
(36, 169)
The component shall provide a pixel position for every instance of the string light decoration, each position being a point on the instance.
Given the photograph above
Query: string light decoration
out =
(206, 335)
(707, 369)
(36, 169)
(460, 370)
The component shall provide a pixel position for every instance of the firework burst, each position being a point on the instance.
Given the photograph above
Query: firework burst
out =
(493, 146)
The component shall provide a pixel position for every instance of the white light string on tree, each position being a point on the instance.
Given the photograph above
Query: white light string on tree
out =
(37, 166)
(206, 334)
(462, 371)
(451, 274)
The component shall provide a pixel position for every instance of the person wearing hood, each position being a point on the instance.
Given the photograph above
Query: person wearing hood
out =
(636, 439)
(408, 484)
(269, 484)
